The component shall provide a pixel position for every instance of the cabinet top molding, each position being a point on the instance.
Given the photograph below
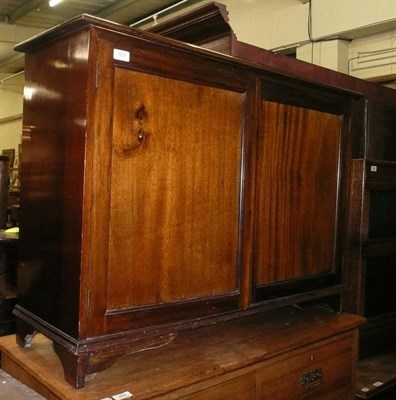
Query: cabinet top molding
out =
(243, 54)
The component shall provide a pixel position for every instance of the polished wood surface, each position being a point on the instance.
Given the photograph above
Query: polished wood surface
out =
(178, 212)
(297, 206)
(304, 147)
(51, 200)
(257, 357)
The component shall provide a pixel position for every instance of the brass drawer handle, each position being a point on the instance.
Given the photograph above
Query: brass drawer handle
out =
(312, 379)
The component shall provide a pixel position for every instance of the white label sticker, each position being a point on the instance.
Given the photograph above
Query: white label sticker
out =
(121, 396)
(365, 390)
(373, 168)
(121, 55)
(378, 384)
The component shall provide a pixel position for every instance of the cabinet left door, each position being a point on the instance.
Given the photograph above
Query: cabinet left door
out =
(167, 226)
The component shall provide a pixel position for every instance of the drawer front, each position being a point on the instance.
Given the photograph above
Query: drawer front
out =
(241, 388)
(321, 372)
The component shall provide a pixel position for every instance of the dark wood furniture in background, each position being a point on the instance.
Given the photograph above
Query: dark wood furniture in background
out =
(8, 278)
(180, 188)
(373, 249)
(205, 26)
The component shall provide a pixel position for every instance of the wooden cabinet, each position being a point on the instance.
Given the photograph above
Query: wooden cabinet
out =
(373, 247)
(372, 225)
(167, 187)
(375, 186)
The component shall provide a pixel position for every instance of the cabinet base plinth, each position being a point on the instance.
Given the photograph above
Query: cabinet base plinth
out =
(82, 359)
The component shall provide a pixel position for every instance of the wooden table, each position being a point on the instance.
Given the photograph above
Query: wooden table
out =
(284, 354)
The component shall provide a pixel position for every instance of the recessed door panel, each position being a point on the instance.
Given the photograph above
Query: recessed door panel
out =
(175, 191)
(298, 169)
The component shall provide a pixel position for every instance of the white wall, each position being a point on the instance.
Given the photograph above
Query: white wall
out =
(276, 23)
(338, 16)
(268, 23)
(11, 106)
(281, 24)
(374, 57)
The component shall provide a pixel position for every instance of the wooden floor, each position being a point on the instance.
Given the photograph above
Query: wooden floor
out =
(12, 389)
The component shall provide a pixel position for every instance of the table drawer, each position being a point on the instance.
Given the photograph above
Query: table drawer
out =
(240, 388)
(320, 372)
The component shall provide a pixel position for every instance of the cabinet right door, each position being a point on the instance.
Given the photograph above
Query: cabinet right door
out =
(297, 207)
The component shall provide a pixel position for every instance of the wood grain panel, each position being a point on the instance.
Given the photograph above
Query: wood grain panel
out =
(297, 198)
(51, 170)
(174, 219)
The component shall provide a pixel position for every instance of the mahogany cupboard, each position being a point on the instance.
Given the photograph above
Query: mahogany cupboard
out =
(166, 187)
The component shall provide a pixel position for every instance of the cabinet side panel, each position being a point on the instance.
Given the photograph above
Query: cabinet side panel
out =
(297, 200)
(175, 189)
(51, 176)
